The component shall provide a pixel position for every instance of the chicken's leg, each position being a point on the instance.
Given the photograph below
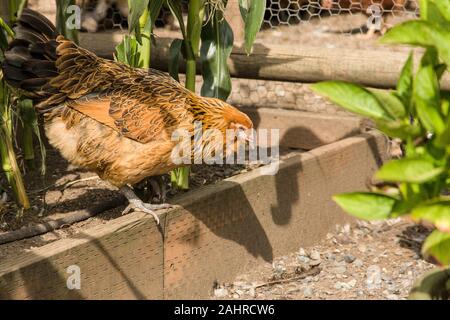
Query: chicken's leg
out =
(138, 205)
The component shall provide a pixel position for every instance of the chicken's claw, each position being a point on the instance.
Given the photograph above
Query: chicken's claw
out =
(137, 204)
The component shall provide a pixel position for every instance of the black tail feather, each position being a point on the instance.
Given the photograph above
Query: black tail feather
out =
(30, 59)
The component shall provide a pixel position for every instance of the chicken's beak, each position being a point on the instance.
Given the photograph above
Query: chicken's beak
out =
(246, 135)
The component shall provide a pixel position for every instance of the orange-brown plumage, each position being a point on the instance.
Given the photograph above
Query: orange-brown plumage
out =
(103, 115)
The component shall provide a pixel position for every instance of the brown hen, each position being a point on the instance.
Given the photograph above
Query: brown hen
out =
(105, 116)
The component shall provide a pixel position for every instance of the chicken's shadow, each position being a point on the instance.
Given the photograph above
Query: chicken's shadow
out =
(237, 222)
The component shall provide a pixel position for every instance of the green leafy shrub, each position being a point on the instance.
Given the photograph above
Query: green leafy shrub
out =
(418, 113)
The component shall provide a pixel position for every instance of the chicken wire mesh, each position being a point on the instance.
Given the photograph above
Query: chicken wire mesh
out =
(112, 14)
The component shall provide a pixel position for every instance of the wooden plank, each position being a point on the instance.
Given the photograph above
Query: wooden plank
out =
(122, 259)
(305, 130)
(252, 218)
(216, 232)
(374, 68)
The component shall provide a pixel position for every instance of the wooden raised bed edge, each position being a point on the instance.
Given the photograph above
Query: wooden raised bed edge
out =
(216, 232)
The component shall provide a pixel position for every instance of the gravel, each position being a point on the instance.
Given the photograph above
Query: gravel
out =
(376, 260)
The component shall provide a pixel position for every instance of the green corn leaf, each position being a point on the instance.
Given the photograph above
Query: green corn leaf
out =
(366, 205)
(437, 245)
(29, 119)
(154, 8)
(63, 15)
(137, 9)
(175, 8)
(353, 98)
(252, 12)
(409, 170)
(217, 44)
(194, 25)
(174, 56)
(128, 51)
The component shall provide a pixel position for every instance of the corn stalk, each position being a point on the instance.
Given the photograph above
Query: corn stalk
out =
(8, 159)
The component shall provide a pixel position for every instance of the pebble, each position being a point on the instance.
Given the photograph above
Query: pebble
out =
(239, 292)
(358, 263)
(373, 280)
(315, 255)
(303, 259)
(339, 269)
(349, 258)
(308, 292)
(392, 296)
(220, 292)
(314, 263)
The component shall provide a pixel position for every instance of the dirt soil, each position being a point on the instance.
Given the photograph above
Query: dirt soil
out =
(376, 261)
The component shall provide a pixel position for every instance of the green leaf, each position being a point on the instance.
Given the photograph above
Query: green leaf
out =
(391, 103)
(436, 212)
(194, 25)
(176, 9)
(128, 51)
(217, 43)
(437, 245)
(405, 82)
(62, 16)
(421, 33)
(411, 195)
(366, 205)
(137, 9)
(434, 285)
(415, 32)
(408, 170)
(174, 56)
(6, 28)
(243, 8)
(443, 6)
(427, 99)
(252, 12)
(399, 129)
(353, 98)
(29, 118)
(154, 7)
(435, 15)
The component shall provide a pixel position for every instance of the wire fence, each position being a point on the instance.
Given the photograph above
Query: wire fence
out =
(112, 14)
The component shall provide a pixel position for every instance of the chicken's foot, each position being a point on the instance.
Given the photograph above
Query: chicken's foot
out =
(137, 204)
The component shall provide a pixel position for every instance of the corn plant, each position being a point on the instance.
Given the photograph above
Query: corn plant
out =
(418, 113)
(63, 16)
(10, 166)
(206, 37)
